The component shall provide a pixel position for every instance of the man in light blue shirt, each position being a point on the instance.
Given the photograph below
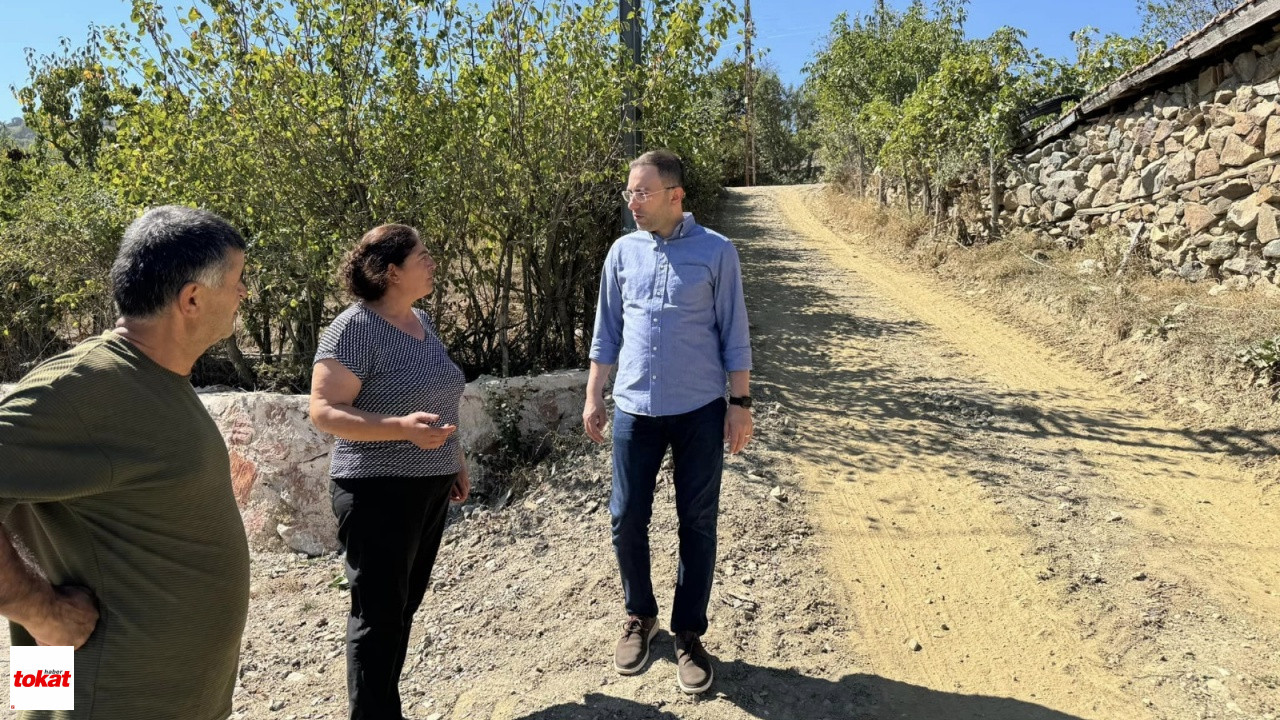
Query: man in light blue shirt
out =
(672, 317)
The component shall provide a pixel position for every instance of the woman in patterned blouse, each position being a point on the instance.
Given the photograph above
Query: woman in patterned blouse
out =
(384, 385)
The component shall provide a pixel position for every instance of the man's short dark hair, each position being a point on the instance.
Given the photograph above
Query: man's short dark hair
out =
(668, 164)
(164, 250)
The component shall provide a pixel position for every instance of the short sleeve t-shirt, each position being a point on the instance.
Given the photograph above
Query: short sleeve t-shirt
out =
(115, 478)
(399, 374)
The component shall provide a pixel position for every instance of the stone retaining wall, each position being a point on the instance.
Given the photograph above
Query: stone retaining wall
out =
(1193, 169)
(280, 463)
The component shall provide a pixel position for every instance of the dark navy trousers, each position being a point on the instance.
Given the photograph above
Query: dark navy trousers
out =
(696, 440)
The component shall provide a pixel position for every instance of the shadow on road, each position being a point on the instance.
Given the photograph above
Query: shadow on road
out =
(799, 326)
(780, 694)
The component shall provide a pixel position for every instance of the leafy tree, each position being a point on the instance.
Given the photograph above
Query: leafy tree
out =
(495, 132)
(17, 171)
(55, 254)
(1171, 20)
(875, 62)
(1099, 61)
(73, 101)
(783, 121)
(906, 94)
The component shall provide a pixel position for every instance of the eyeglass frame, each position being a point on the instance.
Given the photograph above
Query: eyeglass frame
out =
(643, 194)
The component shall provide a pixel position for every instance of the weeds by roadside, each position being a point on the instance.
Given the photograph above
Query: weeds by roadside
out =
(1263, 358)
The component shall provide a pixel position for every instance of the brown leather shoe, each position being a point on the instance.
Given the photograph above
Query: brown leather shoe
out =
(633, 647)
(693, 664)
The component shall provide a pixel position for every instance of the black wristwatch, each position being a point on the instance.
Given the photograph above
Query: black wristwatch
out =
(743, 402)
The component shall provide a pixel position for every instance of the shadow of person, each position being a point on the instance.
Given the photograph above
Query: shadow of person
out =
(595, 706)
(782, 694)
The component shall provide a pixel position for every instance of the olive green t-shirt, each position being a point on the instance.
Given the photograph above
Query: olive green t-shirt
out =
(114, 477)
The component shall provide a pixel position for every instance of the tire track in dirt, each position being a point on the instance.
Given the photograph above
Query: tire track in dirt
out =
(969, 477)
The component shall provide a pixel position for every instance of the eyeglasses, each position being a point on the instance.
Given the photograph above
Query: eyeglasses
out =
(642, 196)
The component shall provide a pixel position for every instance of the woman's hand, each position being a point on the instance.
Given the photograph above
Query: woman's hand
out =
(461, 485)
(418, 428)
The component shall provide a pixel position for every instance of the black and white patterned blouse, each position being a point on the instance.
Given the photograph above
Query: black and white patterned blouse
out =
(399, 374)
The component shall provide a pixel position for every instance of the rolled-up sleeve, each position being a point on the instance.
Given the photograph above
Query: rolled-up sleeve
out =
(606, 340)
(731, 312)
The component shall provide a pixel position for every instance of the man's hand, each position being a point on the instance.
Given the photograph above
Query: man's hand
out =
(461, 484)
(593, 418)
(418, 429)
(63, 615)
(67, 617)
(738, 427)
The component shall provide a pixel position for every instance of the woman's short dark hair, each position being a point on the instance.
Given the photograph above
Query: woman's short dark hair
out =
(164, 250)
(364, 269)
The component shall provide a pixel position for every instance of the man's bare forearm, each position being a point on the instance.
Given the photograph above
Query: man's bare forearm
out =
(739, 383)
(24, 595)
(597, 377)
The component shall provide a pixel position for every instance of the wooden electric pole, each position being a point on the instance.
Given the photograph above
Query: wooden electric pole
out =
(748, 31)
(629, 34)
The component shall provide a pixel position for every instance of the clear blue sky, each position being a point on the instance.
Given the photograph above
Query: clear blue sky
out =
(791, 29)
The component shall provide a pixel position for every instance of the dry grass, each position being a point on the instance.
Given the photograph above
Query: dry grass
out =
(1168, 340)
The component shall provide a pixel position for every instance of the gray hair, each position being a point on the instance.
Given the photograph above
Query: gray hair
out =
(164, 250)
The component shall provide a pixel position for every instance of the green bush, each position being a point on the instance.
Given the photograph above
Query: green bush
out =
(55, 262)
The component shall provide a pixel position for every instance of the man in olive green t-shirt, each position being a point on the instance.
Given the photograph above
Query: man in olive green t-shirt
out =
(117, 482)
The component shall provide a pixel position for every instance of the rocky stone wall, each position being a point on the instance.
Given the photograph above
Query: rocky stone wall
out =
(280, 462)
(1192, 169)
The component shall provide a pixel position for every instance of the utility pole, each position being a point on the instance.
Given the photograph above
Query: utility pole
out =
(629, 34)
(749, 86)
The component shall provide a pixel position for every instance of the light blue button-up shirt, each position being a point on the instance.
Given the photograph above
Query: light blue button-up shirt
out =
(672, 317)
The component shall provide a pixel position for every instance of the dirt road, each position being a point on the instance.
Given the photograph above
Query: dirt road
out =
(1040, 536)
(941, 519)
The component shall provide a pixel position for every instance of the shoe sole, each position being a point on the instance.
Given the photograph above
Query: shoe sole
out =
(643, 660)
(689, 690)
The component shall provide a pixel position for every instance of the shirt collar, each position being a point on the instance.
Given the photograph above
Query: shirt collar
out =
(682, 228)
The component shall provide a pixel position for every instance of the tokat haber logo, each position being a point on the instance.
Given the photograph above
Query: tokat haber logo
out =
(41, 678)
(53, 679)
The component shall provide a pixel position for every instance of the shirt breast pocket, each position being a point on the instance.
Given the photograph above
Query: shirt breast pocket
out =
(637, 288)
(689, 287)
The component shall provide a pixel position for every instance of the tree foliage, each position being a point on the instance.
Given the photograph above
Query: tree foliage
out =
(1171, 20)
(869, 66)
(80, 100)
(56, 250)
(783, 123)
(906, 93)
(495, 132)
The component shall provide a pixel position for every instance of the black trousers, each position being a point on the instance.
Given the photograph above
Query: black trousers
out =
(390, 528)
